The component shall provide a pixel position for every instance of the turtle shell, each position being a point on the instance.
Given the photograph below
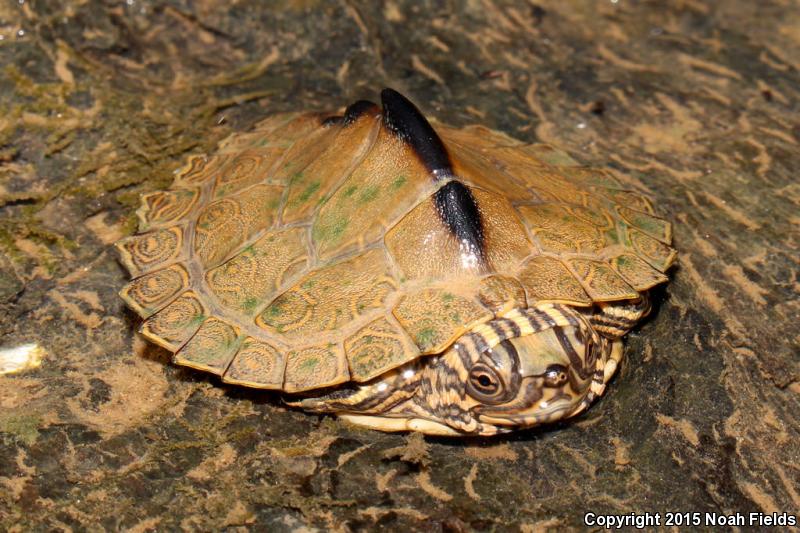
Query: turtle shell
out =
(316, 249)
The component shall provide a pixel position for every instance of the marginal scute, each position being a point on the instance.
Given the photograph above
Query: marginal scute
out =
(501, 294)
(163, 208)
(315, 367)
(601, 282)
(436, 317)
(200, 169)
(257, 364)
(637, 272)
(655, 252)
(630, 199)
(173, 325)
(331, 297)
(149, 293)
(376, 348)
(548, 279)
(226, 224)
(245, 169)
(149, 251)
(253, 276)
(211, 348)
(655, 227)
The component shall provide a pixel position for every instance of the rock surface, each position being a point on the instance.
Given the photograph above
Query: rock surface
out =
(694, 103)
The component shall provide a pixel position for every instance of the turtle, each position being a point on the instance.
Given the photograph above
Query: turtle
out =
(401, 273)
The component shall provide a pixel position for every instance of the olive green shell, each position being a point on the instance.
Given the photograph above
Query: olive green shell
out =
(307, 253)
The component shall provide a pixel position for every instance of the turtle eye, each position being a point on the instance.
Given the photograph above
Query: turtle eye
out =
(483, 383)
(555, 376)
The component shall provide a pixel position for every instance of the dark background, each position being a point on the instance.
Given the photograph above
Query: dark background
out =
(693, 103)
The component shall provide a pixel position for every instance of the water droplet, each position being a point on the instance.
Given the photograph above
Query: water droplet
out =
(20, 33)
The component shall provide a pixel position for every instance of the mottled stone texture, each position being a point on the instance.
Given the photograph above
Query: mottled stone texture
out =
(694, 103)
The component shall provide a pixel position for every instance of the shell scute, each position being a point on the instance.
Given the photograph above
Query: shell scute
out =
(173, 325)
(390, 180)
(600, 281)
(200, 169)
(315, 367)
(474, 135)
(639, 275)
(501, 294)
(211, 347)
(436, 317)
(149, 293)
(308, 187)
(630, 199)
(330, 298)
(546, 278)
(152, 250)
(655, 227)
(253, 276)
(558, 229)
(257, 364)
(549, 155)
(247, 168)
(655, 252)
(473, 167)
(164, 208)
(377, 347)
(226, 224)
(593, 177)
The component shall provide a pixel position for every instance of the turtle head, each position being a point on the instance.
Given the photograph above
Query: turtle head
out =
(530, 367)
(532, 379)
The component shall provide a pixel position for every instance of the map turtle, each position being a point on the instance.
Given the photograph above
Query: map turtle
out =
(401, 273)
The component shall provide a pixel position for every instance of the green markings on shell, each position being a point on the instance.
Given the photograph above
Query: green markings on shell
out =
(378, 347)
(257, 364)
(329, 231)
(310, 189)
(368, 194)
(398, 182)
(315, 367)
(211, 348)
(331, 297)
(176, 323)
(435, 318)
